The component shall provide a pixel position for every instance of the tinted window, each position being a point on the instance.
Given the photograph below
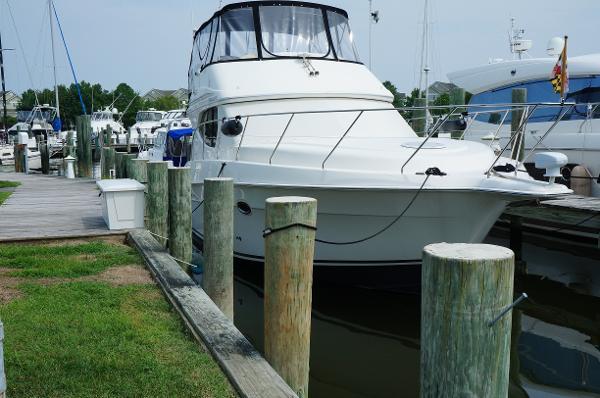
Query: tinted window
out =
(582, 90)
(208, 126)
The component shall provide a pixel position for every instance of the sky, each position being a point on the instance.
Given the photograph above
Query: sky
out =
(147, 43)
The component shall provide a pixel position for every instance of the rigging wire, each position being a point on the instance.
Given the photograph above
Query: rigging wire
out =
(70, 61)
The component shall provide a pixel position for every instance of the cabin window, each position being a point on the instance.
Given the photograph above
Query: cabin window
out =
(294, 32)
(582, 90)
(342, 37)
(208, 126)
(236, 38)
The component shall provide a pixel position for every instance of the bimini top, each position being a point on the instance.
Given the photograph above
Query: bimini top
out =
(261, 30)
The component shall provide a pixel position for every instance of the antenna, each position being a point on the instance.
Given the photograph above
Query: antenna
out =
(518, 45)
(373, 19)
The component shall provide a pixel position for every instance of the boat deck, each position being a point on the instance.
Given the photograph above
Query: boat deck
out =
(50, 207)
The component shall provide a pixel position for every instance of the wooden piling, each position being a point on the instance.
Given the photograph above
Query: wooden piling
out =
(128, 138)
(108, 135)
(45, 157)
(84, 146)
(157, 201)
(119, 165)
(464, 287)
(180, 215)
(217, 279)
(419, 116)
(127, 158)
(289, 253)
(519, 96)
(108, 163)
(19, 156)
(137, 169)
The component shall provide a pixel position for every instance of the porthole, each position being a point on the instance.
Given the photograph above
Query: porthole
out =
(244, 208)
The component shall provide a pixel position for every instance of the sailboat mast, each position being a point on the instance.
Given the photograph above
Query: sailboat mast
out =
(53, 58)
(3, 85)
(425, 62)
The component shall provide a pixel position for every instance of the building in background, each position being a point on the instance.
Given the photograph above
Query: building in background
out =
(439, 88)
(12, 102)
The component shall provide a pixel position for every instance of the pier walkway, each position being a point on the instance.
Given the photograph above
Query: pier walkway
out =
(49, 207)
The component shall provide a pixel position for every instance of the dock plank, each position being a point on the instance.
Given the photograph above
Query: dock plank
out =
(51, 207)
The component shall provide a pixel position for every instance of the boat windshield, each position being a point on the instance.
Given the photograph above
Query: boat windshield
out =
(148, 117)
(102, 116)
(283, 29)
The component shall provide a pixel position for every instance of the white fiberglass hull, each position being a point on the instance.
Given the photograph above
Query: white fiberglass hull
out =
(351, 215)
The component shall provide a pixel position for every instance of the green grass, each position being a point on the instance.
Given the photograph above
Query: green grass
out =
(4, 196)
(9, 184)
(68, 261)
(92, 339)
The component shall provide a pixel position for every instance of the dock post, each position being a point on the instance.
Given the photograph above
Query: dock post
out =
(137, 170)
(108, 135)
(157, 201)
(19, 156)
(519, 96)
(84, 146)
(2, 374)
(419, 116)
(289, 253)
(180, 215)
(127, 158)
(119, 164)
(45, 157)
(128, 138)
(217, 278)
(464, 288)
(108, 162)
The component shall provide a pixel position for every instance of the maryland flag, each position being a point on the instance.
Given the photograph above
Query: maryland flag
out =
(560, 74)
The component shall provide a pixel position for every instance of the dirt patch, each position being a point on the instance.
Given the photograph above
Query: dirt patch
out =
(125, 275)
(118, 240)
(8, 294)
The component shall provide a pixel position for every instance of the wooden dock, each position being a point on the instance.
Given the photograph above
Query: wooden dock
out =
(51, 207)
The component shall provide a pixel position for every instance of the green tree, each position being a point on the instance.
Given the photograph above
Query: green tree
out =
(399, 99)
(165, 103)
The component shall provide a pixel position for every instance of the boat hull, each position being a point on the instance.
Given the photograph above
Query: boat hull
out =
(348, 215)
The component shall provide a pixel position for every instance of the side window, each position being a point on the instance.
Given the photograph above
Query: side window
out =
(208, 126)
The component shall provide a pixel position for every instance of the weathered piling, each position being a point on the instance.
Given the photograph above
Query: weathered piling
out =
(45, 157)
(119, 173)
(2, 375)
(289, 253)
(19, 156)
(137, 169)
(180, 215)
(217, 279)
(69, 148)
(128, 138)
(519, 96)
(157, 201)
(97, 148)
(108, 163)
(84, 147)
(127, 158)
(464, 287)
(108, 135)
(419, 116)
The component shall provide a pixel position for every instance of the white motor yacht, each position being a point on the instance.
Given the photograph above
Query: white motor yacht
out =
(106, 117)
(146, 124)
(577, 133)
(281, 103)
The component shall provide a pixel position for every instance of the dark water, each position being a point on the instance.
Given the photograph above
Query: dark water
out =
(365, 339)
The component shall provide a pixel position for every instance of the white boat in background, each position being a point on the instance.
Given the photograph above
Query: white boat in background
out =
(146, 124)
(298, 114)
(577, 134)
(108, 117)
(172, 140)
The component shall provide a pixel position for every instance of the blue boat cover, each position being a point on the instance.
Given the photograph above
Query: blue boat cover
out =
(57, 124)
(178, 133)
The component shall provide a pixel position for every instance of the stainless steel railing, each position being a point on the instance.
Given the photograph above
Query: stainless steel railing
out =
(446, 113)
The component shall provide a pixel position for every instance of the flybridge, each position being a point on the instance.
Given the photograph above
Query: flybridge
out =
(271, 30)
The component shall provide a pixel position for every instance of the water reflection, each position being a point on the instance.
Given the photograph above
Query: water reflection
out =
(365, 339)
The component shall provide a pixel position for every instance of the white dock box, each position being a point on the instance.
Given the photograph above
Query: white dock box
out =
(122, 203)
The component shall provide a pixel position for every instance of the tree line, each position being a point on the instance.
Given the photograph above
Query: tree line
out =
(123, 97)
